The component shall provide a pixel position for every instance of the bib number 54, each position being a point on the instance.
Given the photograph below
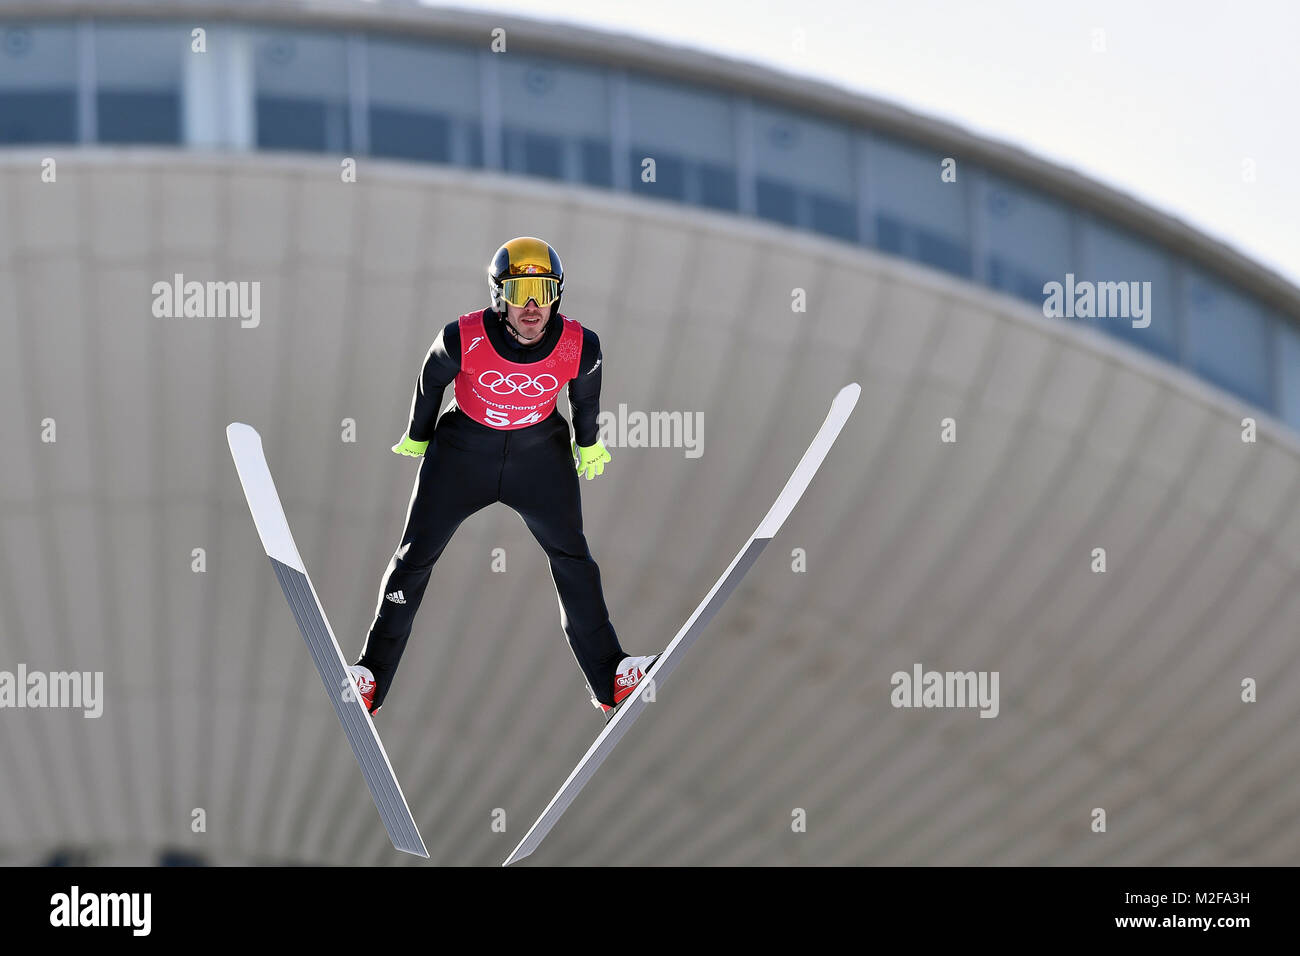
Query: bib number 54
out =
(501, 419)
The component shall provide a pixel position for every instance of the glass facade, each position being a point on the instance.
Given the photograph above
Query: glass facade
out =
(1286, 370)
(916, 214)
(1109, 254)
(301, 91)
(691, 136)
(1227, 338)
(555, 121)
(1027, 236)
(38, 84)
(381, 94)
(138, 82)
(436, 120)
(805, 173)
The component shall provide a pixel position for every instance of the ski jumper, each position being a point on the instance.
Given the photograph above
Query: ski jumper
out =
(501, 439)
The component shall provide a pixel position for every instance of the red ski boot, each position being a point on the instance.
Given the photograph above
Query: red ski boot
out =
(631, 671)
(365, 686)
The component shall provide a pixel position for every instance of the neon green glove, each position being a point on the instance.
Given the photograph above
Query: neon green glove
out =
(591, 459)
(412, 449)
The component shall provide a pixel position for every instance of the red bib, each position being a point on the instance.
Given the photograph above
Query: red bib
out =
(508, 395)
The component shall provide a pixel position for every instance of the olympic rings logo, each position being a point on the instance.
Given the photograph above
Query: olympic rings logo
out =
(521, 382)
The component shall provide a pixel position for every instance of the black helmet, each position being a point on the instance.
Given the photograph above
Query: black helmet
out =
(525, 268)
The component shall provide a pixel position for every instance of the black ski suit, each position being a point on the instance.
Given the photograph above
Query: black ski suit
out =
(468, 466)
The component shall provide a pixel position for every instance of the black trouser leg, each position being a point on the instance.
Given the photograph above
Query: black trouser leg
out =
(541, 485)
(451, 485)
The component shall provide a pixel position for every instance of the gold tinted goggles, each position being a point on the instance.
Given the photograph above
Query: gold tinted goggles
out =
(543, 289)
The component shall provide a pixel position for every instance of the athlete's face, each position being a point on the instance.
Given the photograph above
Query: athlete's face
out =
(528, 321)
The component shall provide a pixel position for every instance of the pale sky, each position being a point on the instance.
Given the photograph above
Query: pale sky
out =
(1188, 97)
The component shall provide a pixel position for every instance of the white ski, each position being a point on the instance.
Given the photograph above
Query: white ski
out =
(841, 407)
(268, 515)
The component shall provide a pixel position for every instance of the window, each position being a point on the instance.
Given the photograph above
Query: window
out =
(534, 153)
(302, 98)
(1028, 237)
(669, 175)
(597, 162)
(138, 82)
(1227, 337)
(38, 84)
(718, 186)
(1288, 368)
(777, 201)
(833, 217)
(1113, 255)
(555, 120)
(424, 102)
(690, 134)
(917, 214)
(806, 172)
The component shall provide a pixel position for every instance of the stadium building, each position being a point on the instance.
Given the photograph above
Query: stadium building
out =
(357, 164)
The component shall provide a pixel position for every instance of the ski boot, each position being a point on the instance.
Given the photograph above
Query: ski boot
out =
(631, 671)
(365, 681)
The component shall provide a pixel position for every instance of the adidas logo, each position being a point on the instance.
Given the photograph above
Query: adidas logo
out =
(397, 597)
